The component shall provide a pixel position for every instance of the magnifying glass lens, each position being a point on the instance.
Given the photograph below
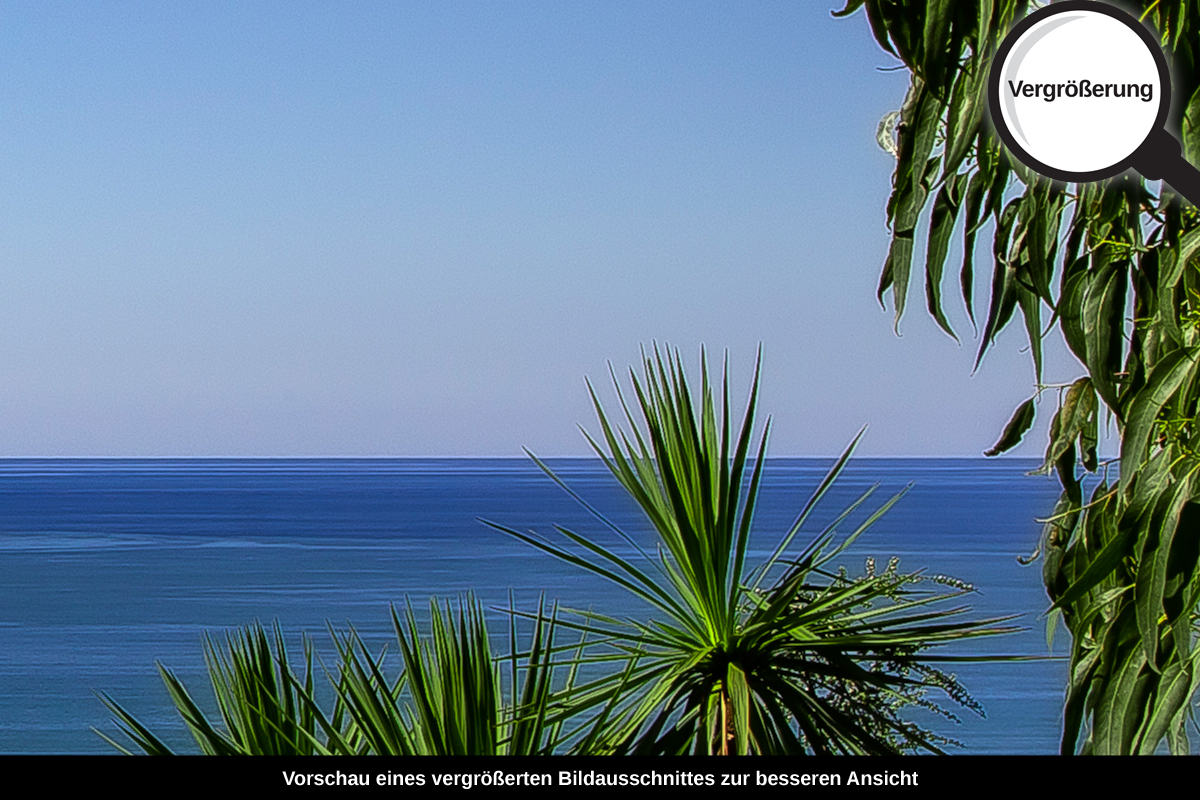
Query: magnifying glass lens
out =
(1080, 91)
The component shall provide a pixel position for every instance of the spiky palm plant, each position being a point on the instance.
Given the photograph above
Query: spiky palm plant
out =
(265, 708)
(448, 700)
(785, 658)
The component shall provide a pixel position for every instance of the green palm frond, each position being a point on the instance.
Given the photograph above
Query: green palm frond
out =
(783, 658)
(265, 708)
(449, 698)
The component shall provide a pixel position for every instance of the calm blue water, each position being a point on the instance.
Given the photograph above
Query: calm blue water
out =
(109, 565)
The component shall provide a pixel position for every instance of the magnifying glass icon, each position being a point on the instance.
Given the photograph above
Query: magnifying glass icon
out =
(1079, 91)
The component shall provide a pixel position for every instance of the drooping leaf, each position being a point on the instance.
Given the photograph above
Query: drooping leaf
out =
(917, 131)
(1103, 329)
(1142, 411)
(941, 225)
(939, 55)
(1070, 306)
(974, 205)
(899, 266)
(1175, 689)
(1031, 311)
(1020, 422)
(1074, 419)
(964, 116)
(848, 9)
(1004, 290)
(1157, 537)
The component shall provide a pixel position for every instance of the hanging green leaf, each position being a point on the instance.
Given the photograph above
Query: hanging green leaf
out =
(941, 225)
(1103, 326)
(1021, 421)
(974, 205)
(1078, 411)
(1168, 375)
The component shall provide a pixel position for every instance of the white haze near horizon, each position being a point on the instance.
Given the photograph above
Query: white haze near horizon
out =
(400, 229)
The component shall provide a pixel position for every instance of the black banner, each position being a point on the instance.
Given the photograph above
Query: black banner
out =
(556, 777)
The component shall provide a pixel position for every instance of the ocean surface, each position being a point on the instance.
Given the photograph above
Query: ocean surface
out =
(107, 566)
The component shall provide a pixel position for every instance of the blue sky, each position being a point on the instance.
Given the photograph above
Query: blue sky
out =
(411, 229)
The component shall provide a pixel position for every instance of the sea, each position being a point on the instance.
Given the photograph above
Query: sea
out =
(109, 567)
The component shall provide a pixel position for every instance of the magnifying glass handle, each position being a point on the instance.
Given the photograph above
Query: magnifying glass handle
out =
(1160, 157)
